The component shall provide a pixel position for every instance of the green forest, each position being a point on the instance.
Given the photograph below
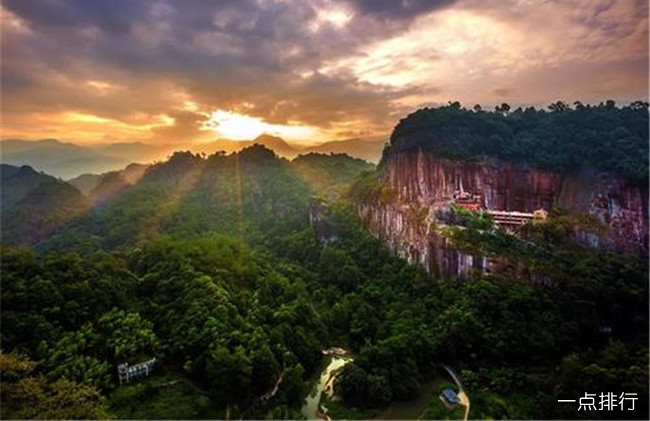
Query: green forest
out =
(562, 137)
(221, 268)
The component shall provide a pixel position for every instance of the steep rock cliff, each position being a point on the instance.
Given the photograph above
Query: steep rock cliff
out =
(420, 183)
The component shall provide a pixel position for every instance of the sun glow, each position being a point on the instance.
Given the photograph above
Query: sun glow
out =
(338, 18)
(445, 46)
(243, 127)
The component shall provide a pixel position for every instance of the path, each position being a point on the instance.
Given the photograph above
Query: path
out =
(464, 399)
(268, 395)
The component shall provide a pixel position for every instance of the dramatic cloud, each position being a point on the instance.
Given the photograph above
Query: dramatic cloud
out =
(174, 71)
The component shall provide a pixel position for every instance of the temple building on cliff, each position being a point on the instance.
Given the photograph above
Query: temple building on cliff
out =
(509, 220)
(468, 201)
(513, 220)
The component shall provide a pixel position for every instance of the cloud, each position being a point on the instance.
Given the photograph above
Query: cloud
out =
(334, 66)
(470, 51)
(502, 92)
(400, 9)
(219, 54)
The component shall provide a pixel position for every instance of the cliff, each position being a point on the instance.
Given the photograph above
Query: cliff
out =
(420, 184)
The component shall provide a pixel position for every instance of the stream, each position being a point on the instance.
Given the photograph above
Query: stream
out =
(336, 358)
(310, 408)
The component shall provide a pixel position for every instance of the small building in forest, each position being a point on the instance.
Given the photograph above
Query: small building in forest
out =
(126, 373)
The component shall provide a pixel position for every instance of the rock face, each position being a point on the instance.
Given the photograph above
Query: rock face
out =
(421, 184)
(319, 218)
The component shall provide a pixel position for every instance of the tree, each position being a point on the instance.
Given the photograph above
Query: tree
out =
(78, 356)
(28, 396)
(502, 109)
(127, 335)
(558, 107)
(379, 390)
(562, 139)
(352, 384)
(639, 105)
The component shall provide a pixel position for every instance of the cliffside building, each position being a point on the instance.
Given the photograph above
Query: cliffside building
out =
(469, 201)
(510, 220)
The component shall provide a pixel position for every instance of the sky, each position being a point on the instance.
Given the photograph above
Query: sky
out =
(164, 71)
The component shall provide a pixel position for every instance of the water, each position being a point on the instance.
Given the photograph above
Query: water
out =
(310, 407)
(410, 409)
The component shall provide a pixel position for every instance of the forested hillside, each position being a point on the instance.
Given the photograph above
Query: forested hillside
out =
(45, 210)
(329, 175)
(17, 182)
(211, 265)
(279, 209)
(564, 137)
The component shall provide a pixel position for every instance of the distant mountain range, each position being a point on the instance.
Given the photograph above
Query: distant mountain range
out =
(68, 160)
(277, 144)
(36, 205)
(368, 150)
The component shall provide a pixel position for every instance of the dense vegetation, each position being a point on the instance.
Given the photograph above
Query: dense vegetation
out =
(605, 137)
(17, 182)
(209, 309)
(329, 175)
(579, 325)
(212, 266)
(43, 211)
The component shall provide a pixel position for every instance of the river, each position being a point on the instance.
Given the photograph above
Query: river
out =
(335, 359)
(410, 409)
(310, 407)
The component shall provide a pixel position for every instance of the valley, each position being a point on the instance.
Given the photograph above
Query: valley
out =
(235, 271)
(324, 210)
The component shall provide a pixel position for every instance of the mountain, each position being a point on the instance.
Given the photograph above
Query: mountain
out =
(329, 175)
(61, 159)
(35, 205)
(137, 151)
(190, 194)
(253, 187)
(277, 144)
(87, 182)
(108, 186)
(231, 273)
(17, 146)
(587, 163)
(43, 211)
(17, 182)
(368, 150)
(67, 160)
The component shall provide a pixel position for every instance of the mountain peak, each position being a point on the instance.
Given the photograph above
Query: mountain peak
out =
(267, 139)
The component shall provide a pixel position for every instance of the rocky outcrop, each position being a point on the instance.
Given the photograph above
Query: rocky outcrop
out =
(324, 226)
(421, 184)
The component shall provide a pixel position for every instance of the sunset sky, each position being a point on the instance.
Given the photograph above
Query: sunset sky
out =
(193, 70)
